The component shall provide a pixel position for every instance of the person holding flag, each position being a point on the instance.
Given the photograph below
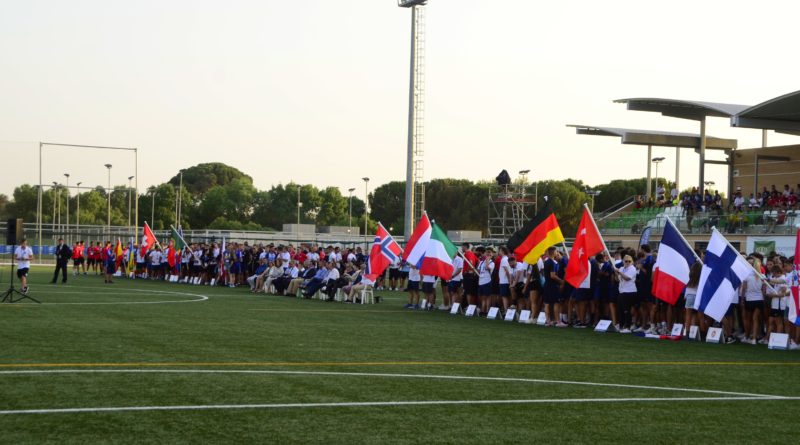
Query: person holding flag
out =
(110, 262)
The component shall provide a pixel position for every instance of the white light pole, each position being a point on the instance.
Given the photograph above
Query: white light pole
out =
(592, 193)
(66, 175)
(55, 206)
(657, 161)
(78, 212)
(152, 204)
(366, 209)
(129, 202)
(108, 192)
(351, 190)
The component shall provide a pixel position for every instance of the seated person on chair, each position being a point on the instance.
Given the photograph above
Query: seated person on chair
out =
(320, 277)
(282, 282)
(273, 274)
(302, 277)
(352, 277)
(257, 276)
(332, 282)
(367, 282)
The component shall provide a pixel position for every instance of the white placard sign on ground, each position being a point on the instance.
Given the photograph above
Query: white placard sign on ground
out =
(493, 313)
(778, 341)
(455, 309)
(602, 326)
(470, 310)
(424, 304)
(524, 316)
(541, 319)
(714, 335)
(693, 332)
(510, 315)
(677, 330)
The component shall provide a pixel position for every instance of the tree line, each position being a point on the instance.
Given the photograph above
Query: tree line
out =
(218, 196)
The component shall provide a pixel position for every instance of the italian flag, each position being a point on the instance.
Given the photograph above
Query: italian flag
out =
(438, 259)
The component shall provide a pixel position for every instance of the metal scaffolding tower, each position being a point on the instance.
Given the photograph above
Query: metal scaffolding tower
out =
(415, 189)
(510, 206)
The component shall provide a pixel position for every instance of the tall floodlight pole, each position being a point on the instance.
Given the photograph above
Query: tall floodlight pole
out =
(366, 209)
(55, 203)
(129, 202)
(350, 198)
(78, 212)
(108, 192)
(152, 205)
(416, 115)
(180, 200)
(657, 161)
(69, 239)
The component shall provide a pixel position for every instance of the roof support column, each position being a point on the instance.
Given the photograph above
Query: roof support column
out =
(649, 165)
(701, 185)
(763, 138)
(677, 168)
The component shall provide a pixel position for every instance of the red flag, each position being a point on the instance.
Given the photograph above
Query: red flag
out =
(171, 254)
(588, 243)
(148, 239)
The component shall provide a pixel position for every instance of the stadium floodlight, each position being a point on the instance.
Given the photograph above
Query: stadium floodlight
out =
(108, 194)
(66, 175)
(350, 198)
(411, 3)
(366, 210)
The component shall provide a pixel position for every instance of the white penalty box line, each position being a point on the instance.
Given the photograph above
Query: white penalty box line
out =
(718, 395)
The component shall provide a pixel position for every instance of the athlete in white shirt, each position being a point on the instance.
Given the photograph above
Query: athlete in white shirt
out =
(23, 254)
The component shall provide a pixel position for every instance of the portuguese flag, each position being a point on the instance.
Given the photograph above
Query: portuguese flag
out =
(177, 238)
(533, 239)
(438, 259)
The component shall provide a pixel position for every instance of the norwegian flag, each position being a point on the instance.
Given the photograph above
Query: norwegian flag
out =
(794, 298)
(384, 251)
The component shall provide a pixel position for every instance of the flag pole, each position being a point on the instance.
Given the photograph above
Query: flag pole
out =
(566, 251)
(586, 208)
(758, 272)
(684, 239)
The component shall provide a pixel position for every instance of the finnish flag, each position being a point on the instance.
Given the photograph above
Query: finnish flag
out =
(724, 269)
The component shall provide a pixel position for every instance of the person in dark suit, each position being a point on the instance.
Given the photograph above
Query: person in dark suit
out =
(63, 254)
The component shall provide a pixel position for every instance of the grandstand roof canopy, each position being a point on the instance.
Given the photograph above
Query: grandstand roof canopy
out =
(781, 114)
(683, 109)
(657, 138)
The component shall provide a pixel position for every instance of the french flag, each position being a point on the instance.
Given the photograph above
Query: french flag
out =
(671, 271)
(418, 243)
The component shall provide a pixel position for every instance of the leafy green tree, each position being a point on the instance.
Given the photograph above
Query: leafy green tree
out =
(567, 203)
(203, 177)
(387, 205)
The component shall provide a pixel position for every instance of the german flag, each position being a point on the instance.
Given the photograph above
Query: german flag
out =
(533, 239)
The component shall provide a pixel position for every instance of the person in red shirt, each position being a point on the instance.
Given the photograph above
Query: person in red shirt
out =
(470, 280)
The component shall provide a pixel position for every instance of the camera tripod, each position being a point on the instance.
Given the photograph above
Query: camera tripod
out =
(8, 295)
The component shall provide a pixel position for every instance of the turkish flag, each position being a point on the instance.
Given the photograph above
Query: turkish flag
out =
(148, 239)
(588, 243)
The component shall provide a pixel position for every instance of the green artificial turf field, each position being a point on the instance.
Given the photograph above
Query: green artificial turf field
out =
(149, 362)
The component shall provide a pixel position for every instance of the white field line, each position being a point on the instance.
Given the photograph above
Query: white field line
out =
(382, 404)
(387, 375)
(130, 292)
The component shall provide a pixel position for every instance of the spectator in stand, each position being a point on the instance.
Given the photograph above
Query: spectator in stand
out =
(752, 203)
(738, 201)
